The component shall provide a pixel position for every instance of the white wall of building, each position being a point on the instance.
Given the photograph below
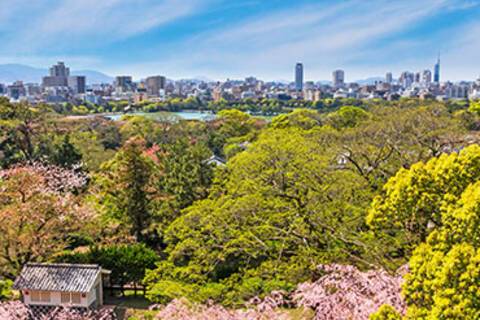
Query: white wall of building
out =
(55, 299)
(86, 299)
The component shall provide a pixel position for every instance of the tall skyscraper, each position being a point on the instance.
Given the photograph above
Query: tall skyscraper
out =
(436, 76)
(338, 78)
(389, 78)
(154, 85)
(299, 77)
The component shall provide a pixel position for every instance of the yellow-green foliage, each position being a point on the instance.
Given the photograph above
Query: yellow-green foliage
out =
(6, 289)
(474, 107)
(445, 272)
(444, 285)
(347, 117)
(413, 201)
(444, 277)
(386, 312)
(302, 118)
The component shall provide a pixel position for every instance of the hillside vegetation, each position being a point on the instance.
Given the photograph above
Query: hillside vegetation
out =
(368, 187)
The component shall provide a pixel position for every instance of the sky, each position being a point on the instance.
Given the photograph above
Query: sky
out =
(220, 39)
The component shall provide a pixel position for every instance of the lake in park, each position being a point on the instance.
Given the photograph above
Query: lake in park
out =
(172, 116)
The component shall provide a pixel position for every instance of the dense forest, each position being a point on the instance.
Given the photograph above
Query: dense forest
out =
(362, 185)
(260, 106)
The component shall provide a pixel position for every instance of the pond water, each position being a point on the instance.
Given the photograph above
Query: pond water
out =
(185, 115)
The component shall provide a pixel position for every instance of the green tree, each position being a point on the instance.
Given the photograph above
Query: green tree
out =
(301, 118)
(128, 263)
(412, 202)
(65, 154)
(347, 117)
(232, 127)
(185, 176)
(139, 126)
(6, 289)
(23, 132)
(445, 268)
(125, 188)
(278, 210)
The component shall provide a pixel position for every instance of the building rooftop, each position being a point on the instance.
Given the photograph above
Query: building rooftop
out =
(57, 277)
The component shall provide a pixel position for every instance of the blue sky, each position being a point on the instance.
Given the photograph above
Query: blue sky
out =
(222, 39)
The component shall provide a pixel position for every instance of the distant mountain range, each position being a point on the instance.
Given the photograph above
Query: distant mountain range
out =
(371, 80)
(13, 72)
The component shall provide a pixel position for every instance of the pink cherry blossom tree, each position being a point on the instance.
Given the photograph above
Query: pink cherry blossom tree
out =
(38, 209)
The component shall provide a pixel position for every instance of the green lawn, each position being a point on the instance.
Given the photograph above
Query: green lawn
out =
(127, 304)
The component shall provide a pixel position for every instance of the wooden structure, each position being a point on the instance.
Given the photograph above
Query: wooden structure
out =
(44, 286)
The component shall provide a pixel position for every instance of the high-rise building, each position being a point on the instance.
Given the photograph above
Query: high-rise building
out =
(154, 85)
(389, 77)
(123, 84)
(418, 77)
(251, 81)
(407, 78)
(436, 77)
(299, 77)
(77, 84)
(59, 70)
(33, 89)
(426, 77)
(16, 90)
(58, 76)
(338, 78)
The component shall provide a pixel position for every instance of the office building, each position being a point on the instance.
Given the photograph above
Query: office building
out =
(338, 78)
(299, 77)
(154, 85)
(407, 79)
(418, 77)
(389, 78)
(33, 89)
(59, 70)
(77, 84)
(427, 77)
(16, 90)
(58, 76)
(123, 84)
(436, 77)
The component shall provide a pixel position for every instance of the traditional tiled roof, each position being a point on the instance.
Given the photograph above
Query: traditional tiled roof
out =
(57, 277)
(216, 160)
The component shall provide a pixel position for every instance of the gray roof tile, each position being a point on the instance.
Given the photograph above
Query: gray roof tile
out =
(57, 277)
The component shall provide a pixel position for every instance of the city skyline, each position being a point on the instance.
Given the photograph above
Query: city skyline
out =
(218, 39)
(298, 77)
(59, 86)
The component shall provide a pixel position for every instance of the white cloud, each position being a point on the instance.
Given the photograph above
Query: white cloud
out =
(362, 37)
(322, 36)
(76, 23)
(461, 60)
